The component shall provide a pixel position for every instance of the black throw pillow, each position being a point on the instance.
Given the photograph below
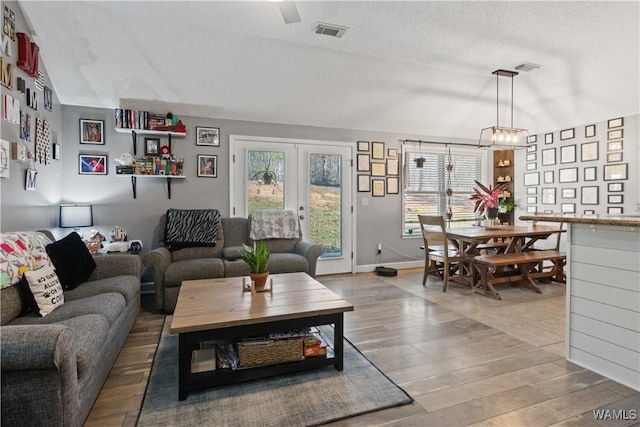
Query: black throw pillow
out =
(72, 260)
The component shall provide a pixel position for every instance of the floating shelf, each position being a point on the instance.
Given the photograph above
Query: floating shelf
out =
(136, 132)
(134, 181)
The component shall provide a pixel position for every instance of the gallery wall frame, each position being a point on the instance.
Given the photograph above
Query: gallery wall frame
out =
(567, 134)
(207, 136)
(548, 157)
(393, 185)
(615, 123)
(548, 177)
(568, 175)
(392, 152)
(531, 166)
(531, 157)
(532, 148)
(589, 195)
(616, 172)
(363, 145)
(532, 178)
(377, 150)
(377, 187)
(590, 173)
(568, 154)
(364, 183)
(151, 146)
(614, 157)
(568, 208)
(207, 166)
(616, 210)
(568, 193)
(615, 134)
(614, 146)
(378, 169)
(92, 164)
(392, 167)
(532, 209)
(532, 138)
(615, 199)
(548, 196)
(532, 190)
(589, 212)
(548, 138)
(363, 163)
(590, 131)
(532, 200)
(92, 132)
(589, 151)
(615, 187)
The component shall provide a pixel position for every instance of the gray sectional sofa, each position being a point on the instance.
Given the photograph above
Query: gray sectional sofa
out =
(54, 367)
(170, 268)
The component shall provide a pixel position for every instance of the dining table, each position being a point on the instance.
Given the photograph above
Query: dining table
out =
(513, 239)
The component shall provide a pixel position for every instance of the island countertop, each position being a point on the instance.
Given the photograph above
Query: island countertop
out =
(630, 220)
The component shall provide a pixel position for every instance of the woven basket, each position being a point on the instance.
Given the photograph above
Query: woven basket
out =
(269, 352)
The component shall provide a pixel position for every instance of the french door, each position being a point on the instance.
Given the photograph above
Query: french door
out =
(312, 178)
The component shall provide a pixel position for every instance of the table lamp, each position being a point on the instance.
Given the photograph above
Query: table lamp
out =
(76, 216)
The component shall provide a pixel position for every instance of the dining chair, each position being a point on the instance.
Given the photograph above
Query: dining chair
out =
(440, 257)
(549, 243)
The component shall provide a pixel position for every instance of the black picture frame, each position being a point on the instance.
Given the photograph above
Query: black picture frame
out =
(532, 148)
(616, 210)
(548, 157)
(547, 177)
(207, 136)
(568, 175)
(548, 196)
(615, 199)
(363, 163)
(377, 150)
(589, 151)
(567, 134)
(590, 174)
(532, 178)
(377, 187)
(568, 154)
(364, 183)
(207, 166)
(615, 134)
(568, 208)
(615, 123)
(548, 138)
(363, 146)
(92, 164)
(378, 169)
(614, 157)
(393, 168)
(590, 131)
(532, 138)
(615, 187)
(615, 146)
(393, 185)
(568, 193)
(92, 132)
(590, 195)
(152, 146)
(616, 172)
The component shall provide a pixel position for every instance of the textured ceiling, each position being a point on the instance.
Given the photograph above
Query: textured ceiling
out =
(415, 68)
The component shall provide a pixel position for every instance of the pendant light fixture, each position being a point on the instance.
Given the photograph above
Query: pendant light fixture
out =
(502, 137)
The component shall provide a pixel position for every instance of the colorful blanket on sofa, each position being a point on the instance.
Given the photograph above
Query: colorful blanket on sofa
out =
(21, 251)
(191, 228)
(274, 224)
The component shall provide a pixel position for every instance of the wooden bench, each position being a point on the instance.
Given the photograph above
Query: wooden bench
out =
(492, 269)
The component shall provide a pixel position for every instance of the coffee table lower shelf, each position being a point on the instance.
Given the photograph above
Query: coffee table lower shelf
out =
(197, 381)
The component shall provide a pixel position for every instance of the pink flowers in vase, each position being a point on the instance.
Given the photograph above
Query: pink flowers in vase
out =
(487, 197)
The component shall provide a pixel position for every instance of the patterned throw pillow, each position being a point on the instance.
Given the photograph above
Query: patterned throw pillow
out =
(21, 251)
(45, 288)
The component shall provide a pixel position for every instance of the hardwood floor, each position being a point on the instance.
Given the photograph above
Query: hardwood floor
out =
(466, 359)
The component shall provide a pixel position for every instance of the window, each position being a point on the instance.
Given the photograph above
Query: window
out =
(424, 188)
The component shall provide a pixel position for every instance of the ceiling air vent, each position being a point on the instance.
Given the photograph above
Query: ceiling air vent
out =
(527, 66)
(329, 30)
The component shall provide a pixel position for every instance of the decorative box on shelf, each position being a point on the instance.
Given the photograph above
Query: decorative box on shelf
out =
(269, 352)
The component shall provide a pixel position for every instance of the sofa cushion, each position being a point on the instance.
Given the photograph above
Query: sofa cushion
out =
(109, 306)
(127, 286)
(44, 290)
(193, 269)
(195, 253)
(235, 268)
(286, 263)
(72, 260)
(21, 251)
(90, 332)
(282, 245)
(233, 252)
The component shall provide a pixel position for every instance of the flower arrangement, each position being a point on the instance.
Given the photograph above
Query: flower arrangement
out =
(487, 197)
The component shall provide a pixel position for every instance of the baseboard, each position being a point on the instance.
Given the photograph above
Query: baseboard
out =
(397, 265)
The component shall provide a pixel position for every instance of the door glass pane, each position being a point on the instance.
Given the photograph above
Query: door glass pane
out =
(265, 180)
(325, 202)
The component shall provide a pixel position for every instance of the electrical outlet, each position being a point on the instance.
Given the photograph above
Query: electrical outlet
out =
(379, 249)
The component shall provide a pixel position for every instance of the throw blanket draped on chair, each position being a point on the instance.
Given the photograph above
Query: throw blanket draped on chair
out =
(191, 227)
(274, 224)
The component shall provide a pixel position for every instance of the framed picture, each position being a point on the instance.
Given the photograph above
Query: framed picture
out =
(363, 145)
(56, 151)
(532, 200)
(548, 196)
(589, 212)
(549, 157)
(532, 138)
(531, 157)
(92, 132)
(48, 98)
(208, 136)
(378, 169)
(568, 193)
(568, 154)
(591, 173)
(377, 150)
(532, 178)
(392, 168)
(614, 157)
(568, 208)
(92, 164)
(364, 183)
(568, 175)
(614, 146)
(589, 151)
(393, 153)
(548, 138)
(548, 177)
(532, 209)
(207, 165)
(567, 134)
(393, 185)
(151, 146)
(377, 187)
(615, 172)
(532, 190)
(614, 210)
(615, 123)
(589, 195)
(363, 163)
(615, 187)
(615, 134)
(532, 148)
(615, 199)
(30, 178)
(531, 166)
(590, 131)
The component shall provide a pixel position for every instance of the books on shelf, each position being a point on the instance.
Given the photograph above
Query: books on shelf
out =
(144, 120)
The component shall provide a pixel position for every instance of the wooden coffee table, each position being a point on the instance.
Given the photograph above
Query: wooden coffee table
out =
(214, 309)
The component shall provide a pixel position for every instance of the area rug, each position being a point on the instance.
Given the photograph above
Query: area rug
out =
(302, 399)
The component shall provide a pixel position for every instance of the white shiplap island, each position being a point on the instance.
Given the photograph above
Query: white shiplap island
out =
(603, 294)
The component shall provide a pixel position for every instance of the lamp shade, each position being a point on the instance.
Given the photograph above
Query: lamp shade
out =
(73, 216)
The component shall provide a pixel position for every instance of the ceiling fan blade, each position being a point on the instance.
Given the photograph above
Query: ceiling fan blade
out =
(289, 11)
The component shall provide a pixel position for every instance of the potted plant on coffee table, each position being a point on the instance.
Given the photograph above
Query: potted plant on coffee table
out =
(257, 258)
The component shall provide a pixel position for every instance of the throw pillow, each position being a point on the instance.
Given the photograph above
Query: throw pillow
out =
(72, 260)
(45, 289)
